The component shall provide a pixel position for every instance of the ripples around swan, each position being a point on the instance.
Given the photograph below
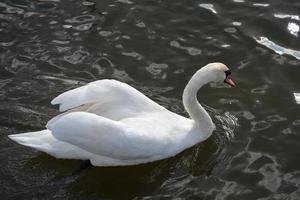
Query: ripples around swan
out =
(50, 46)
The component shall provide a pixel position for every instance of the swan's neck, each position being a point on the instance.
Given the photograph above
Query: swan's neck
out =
(191, 104)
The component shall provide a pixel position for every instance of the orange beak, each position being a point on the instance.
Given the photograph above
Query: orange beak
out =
(229, 81)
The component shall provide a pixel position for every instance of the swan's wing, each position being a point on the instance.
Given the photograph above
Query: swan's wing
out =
(105, 92)
(106, 137)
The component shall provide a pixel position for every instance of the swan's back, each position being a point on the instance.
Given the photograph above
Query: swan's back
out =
(108, 98)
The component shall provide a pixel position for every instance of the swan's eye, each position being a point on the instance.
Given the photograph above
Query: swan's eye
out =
(227, 72)
(228, 80)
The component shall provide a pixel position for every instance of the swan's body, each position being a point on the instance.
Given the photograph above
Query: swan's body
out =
(111, 124)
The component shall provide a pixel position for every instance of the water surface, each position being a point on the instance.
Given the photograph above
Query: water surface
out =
(50, 46)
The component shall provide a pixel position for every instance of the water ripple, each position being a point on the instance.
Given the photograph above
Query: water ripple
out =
(191, 50)
(157, 70)
(88, 3)
(297, 97)
(77, 57)
(81, 19)
(245, 114)
(105, 33)
(261, 4)
(7, 44)
(259, 125)
(296, 122)
(133, 54)
(83, 27)
(141, 25)
(229, 124)
(276, 118)
(230, 30)
(208, 6)
(283, 16)
(271, 177)
(293, 28)
(277, 48)
(11, 9)
(125, 1)
(103, 66)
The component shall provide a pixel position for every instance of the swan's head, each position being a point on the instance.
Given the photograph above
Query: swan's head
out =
(218, 72)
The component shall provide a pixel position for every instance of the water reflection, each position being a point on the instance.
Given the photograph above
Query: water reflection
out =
(283, 16)
(260, 125)
(297, 97)
(293, 28)
(157, 70)
(191, 50)
(81, 19)
(261, 4)
(77, 57)
(208, 6)
(277, 48)
(125, 1)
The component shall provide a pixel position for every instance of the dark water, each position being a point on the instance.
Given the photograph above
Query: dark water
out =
(47, 47)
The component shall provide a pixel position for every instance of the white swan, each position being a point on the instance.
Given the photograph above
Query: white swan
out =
(112, 124)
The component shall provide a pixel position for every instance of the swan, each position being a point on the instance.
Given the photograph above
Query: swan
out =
(110, 123)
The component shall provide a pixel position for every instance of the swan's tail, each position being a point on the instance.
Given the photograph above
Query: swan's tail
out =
(44, 141)
(32, 139)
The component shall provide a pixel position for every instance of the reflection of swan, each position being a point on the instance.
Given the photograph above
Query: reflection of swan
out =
(110, 123)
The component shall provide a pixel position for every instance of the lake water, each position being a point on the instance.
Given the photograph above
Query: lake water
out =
(48, 47)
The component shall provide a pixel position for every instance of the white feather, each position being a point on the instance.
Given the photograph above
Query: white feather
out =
(104, 92)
